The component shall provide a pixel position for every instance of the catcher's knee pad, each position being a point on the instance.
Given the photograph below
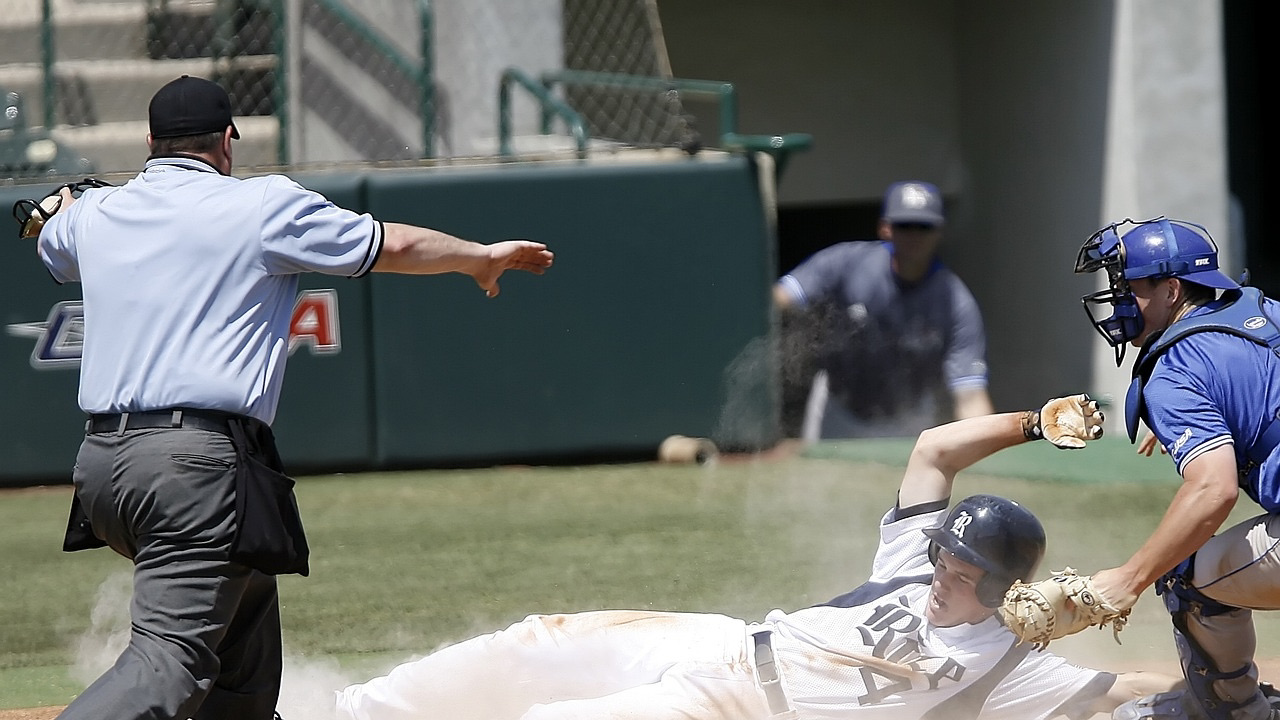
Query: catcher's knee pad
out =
(1180, 597)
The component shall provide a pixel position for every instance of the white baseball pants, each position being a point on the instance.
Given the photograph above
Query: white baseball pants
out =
(604, 665)
(1239, 567)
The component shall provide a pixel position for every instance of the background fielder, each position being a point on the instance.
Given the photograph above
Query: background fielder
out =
(896, 338)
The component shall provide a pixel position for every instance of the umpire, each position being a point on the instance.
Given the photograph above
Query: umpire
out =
(189, 277)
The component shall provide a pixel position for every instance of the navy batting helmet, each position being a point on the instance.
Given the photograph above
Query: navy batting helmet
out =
(996, 534)
(1156, 248)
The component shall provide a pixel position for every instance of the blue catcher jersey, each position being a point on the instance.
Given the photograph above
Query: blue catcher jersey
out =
(1210, 389)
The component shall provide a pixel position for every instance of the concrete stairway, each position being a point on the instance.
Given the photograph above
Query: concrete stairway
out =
(111, 56)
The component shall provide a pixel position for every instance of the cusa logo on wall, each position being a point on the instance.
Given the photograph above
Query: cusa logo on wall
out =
(60, 338)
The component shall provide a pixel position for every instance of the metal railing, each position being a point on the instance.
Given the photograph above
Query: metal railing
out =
(550, 106)
(780, 146)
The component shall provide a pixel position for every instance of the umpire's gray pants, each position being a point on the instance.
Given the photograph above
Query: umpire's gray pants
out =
(205, 639)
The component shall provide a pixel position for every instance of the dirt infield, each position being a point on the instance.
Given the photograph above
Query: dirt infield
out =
(45, 713)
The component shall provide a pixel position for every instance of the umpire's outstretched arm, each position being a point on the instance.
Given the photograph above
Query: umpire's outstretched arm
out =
(422, 251)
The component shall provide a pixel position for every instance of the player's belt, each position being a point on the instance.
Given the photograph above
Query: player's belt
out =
(767, 675)
(173, 418)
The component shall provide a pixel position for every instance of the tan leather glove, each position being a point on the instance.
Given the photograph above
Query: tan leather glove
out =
(1062, 605)
(1067, 422)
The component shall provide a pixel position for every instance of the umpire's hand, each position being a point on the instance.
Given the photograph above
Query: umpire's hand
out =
(507, 255)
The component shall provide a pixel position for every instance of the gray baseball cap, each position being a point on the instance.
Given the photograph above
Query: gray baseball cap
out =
(913, 201)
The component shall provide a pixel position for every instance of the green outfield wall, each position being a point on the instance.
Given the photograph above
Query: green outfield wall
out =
(654, 321)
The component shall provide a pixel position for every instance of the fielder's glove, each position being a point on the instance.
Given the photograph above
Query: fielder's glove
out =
(1067, 422)
(32, 214)
(1062, 605)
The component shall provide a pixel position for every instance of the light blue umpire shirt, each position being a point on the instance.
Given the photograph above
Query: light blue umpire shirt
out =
(189, 279)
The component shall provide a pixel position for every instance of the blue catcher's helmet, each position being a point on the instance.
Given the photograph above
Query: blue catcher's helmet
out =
(998, 535)
(1156, 248)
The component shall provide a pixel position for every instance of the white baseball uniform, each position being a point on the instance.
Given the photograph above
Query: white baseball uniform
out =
(869, 655)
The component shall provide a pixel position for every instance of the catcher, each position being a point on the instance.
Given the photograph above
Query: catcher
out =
(920, 640)
(1206, 383)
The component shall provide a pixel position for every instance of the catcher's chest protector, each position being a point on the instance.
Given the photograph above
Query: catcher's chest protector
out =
(1242, 315)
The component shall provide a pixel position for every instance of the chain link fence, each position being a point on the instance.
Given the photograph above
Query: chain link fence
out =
(624, 38)
(331, 81)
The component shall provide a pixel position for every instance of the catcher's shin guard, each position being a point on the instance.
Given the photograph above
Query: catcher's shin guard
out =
(1200, 670)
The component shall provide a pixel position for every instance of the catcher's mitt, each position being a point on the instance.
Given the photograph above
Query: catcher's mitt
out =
(32, 214)
(1062, 605)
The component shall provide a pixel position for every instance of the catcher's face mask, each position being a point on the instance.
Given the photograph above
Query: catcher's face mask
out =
(1104, 251)
(32, 214)
(1155, 248)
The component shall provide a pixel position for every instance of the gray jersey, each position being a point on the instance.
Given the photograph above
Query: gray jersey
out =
(189, 278)
(890, 349)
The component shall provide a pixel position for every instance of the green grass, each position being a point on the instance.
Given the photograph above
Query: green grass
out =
(404, 562)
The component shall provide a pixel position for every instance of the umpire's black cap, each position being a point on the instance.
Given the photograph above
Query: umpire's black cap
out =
(190, 106)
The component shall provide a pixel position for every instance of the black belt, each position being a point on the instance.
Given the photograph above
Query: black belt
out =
(174, 418)
(767, 674)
